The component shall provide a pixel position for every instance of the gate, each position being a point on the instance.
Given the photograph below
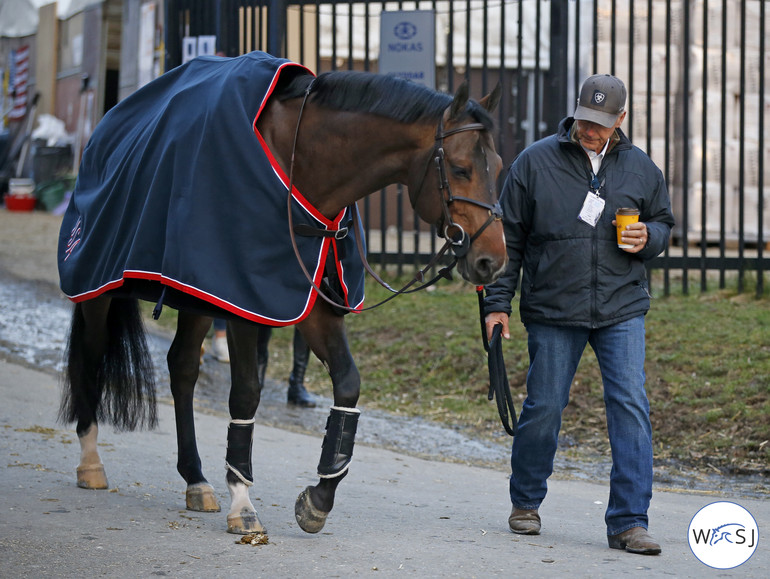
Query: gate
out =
(694, 70)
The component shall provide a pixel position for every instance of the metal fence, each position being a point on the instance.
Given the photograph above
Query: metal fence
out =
(694, 69)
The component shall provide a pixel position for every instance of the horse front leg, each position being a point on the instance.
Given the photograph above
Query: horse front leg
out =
(324, 332)
(247, 344)
(184, 366)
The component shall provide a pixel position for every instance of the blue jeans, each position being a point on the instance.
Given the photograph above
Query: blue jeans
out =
(554, 354)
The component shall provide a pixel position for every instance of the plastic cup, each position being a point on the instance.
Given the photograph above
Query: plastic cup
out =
(623, 217)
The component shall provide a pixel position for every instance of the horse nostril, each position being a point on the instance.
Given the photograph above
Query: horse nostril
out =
(484, 267)
(489, 269)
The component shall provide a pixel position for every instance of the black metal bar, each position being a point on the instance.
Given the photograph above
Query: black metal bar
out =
(536, 78)
(761, 168)
(686, 144)
(631, 48)
(521, 102)
(276, 27)
(723, 147)
(556, 96)
(704, 160)
(468, 40)
(613, 36)
(667, 116)
(742, 146)
(400, 227)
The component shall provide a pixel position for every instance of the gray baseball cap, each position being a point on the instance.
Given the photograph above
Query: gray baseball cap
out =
(602, 100)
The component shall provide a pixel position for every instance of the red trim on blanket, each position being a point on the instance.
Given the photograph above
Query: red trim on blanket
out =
(279, 172)
(207, 297)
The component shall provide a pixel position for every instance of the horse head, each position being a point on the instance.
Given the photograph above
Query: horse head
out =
(466, 166)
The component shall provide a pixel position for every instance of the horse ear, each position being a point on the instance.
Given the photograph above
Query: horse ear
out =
(491, 101)
(460, 100)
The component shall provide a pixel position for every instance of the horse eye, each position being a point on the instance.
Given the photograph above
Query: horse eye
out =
(461, 173)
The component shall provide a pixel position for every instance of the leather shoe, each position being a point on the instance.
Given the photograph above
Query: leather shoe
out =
(635, 540)
(524, 521)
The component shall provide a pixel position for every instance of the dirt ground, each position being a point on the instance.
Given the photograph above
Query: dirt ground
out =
(28, 243)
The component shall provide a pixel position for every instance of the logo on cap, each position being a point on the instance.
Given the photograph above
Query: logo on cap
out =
(599, 98)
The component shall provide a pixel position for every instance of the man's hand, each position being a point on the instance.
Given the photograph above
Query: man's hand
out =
(635, 234)
(494, 318)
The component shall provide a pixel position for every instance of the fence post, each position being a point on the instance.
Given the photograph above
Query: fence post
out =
(555, 97)
(276, 27)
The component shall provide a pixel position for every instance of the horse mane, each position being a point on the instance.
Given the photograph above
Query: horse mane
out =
(378, 94)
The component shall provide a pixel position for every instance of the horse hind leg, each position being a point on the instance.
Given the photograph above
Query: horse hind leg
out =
(109, 373)
(82, 393)
(90, 471)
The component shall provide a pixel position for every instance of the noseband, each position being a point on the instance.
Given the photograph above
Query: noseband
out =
(453, 232)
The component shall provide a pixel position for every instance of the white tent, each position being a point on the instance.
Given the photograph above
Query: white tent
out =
(18, 18)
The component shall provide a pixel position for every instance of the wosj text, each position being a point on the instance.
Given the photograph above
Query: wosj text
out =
(733, 533)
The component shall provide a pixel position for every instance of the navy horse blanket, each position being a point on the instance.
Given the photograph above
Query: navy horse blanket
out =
(177, 187)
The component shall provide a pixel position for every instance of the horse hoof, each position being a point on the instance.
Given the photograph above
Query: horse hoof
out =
(92, 477)
(309, 518)
(200, 497)
(245, 523)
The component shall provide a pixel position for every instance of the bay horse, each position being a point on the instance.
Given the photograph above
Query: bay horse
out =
(167, 209)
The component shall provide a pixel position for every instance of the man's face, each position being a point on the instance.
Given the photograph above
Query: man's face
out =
(594, 136)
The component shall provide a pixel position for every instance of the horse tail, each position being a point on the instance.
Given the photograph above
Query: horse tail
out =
(116, 384)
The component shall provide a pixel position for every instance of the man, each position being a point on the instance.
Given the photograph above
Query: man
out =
(579, 287)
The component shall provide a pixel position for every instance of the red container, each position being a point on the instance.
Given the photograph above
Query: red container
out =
(20, 202)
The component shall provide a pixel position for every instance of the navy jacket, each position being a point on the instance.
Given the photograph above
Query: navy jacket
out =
(574, 274)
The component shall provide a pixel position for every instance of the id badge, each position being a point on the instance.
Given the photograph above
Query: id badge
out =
(592, 209)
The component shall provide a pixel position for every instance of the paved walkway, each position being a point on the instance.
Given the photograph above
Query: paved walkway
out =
(396, 516)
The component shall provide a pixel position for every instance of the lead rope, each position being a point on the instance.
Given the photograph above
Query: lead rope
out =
(498, 376)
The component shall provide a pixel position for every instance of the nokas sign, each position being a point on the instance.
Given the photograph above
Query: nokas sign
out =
(408, 45)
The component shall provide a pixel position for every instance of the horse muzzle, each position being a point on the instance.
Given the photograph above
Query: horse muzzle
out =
(480, 267)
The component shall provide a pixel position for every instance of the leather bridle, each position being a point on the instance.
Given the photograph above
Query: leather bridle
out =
(456, 237)
(451, 231)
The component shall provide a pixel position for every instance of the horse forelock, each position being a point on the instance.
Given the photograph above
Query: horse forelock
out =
(480, 115)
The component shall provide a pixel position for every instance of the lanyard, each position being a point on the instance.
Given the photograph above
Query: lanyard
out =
(595, 185)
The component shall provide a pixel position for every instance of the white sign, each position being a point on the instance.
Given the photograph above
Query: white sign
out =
(408, 45)
(189, 48)
(207, 45)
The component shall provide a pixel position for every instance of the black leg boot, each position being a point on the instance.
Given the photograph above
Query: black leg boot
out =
(337, 447)
(240, 435)
(336, 454)
(297, 394)
(242, 518)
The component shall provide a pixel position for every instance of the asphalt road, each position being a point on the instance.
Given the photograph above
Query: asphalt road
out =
(395, 515)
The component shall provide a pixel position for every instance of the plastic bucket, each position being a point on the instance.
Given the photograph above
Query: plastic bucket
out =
(21, 195)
